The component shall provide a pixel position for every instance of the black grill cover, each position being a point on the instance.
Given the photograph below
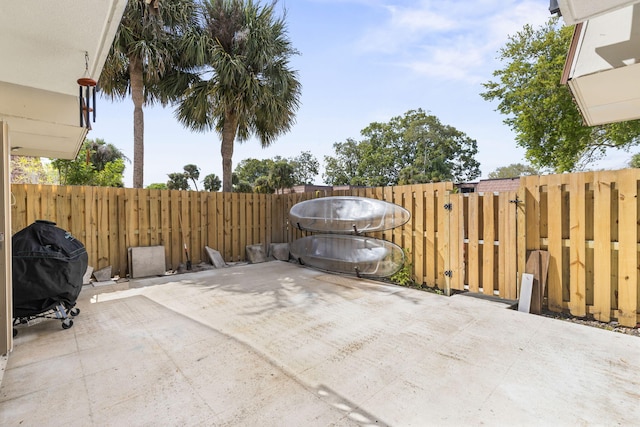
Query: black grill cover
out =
(48, 267)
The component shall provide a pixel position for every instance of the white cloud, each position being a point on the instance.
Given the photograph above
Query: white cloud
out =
(454, 40)
(509, 22)
(418, 20)
(451, 63)
(404, 27)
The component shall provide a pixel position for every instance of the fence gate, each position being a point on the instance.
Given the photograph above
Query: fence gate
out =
(489, 249)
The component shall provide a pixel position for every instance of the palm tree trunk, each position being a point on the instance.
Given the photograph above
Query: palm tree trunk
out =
(137, 95)
(228, 136)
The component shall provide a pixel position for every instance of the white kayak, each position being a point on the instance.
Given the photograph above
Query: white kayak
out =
(347, 214)
(359, 255)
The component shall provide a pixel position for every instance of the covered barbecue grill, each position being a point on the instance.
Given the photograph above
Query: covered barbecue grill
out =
(48, 269)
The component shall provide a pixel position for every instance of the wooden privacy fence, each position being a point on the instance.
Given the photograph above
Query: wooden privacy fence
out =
(588, 222)
(110, 220)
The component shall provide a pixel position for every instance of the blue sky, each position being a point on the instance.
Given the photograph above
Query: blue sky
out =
(361, 61)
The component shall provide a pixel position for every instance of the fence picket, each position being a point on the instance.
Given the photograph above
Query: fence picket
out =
(195, 246)
(165, 224)
(418, 219)
(473, 247)
(203, 225)
(488, 238)
(33, 211)
(109, 231)
(122, 236)
(101, 229)
(47, 202)
(507, 254)
(144, 220)
(604, 182)
(228, 226)
(65, 209)
(456, 242)
(442, 235)
(431, 273)
(577, 245)
(555, 217)
(154, 217)
(628, 248)
(219, 210)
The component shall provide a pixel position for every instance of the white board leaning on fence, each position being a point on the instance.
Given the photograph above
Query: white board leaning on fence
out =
(526, 288)
(347, 214)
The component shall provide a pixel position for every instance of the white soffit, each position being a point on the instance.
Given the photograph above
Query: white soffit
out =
(574, 11)
(605, 69)
(607, 97)
(42, 123)
(607, 42)
(43, 45)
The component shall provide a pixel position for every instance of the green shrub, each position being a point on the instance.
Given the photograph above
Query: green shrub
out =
(404, 276)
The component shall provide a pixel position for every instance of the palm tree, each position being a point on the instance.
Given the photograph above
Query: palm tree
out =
(212, 182)
(247, 87)
(100, 153)
(192, 172)
(144, 50)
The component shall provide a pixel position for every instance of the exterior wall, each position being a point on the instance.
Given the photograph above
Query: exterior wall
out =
(6, 303)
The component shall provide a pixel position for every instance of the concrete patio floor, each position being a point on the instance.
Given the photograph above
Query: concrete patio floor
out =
(277, 344)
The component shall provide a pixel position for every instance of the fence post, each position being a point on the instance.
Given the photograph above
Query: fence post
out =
(446, 244)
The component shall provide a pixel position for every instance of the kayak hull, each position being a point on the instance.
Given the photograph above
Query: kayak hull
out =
(347, 215)
(359, 255)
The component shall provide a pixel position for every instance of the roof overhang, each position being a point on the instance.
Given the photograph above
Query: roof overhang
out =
(575, 11)
(42, 50)
(603, 67)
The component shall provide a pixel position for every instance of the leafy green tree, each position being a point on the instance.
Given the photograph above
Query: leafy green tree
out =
(264, 176)
(30, 170)
(343, 168)
(111, 175)
(281, 175)
(102, 153)
(248, 87)
(249, 170)
(412, 175)
(412, 148)
(513, 170)
(305, 168)
(97, 164)
(245, 187)
(540, 110)
(178, 181)
(147, 46)
(79, 172)
(634, 162)
(157, 186)
(240, 186)
(192, 172)
(73, 172)
(263, 185)
(212, 182)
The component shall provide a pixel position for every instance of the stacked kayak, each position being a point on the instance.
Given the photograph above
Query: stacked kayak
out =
(343, 247)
